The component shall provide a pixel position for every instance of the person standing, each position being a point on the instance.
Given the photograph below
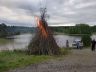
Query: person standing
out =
(93, 45)
(78, 44)
(67, 43)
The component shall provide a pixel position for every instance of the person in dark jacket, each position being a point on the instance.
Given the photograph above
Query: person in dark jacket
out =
(78, 44)
(93, 45)
(67, 43)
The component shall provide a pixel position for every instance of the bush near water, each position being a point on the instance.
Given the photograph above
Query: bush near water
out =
(86, 40)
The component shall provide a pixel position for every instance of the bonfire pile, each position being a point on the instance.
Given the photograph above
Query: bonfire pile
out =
(43, 42)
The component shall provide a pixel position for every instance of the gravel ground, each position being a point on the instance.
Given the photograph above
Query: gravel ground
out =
(78, 61)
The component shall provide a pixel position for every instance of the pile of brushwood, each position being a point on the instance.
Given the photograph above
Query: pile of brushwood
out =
(43, 42)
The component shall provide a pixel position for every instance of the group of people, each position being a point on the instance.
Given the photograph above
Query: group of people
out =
(93, 43)
(78, 44)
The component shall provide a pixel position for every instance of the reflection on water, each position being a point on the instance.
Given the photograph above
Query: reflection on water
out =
(22, 41)
(61, 40)
(19, 42)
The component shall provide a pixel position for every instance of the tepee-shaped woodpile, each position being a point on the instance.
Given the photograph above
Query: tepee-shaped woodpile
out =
(43, 42)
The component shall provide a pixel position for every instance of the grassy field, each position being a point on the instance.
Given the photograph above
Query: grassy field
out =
(4, 41)
(11, 60)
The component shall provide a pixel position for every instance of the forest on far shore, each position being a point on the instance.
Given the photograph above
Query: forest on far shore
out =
(14, 30)
(77, 29)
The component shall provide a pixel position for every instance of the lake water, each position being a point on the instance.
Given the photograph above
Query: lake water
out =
(22, 41)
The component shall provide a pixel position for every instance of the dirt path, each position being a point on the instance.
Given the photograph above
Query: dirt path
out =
(78, 61)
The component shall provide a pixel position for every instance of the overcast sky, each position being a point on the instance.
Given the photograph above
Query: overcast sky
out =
(61, 12)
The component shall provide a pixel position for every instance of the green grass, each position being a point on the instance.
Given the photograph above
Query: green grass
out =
(65, 51)
(4, 41)
(11, 60)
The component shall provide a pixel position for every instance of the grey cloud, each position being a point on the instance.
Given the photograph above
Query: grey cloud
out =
(16, 23)
(65, 11)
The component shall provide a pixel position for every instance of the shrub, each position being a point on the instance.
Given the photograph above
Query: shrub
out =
(86, 40)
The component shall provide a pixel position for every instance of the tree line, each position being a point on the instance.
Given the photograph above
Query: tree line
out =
(77, 29)
(3, 30)
(14, 30)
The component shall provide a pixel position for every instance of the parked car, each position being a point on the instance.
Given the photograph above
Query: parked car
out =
(74, 44)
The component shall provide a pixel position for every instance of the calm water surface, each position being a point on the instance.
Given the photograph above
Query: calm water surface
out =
(22, 41)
